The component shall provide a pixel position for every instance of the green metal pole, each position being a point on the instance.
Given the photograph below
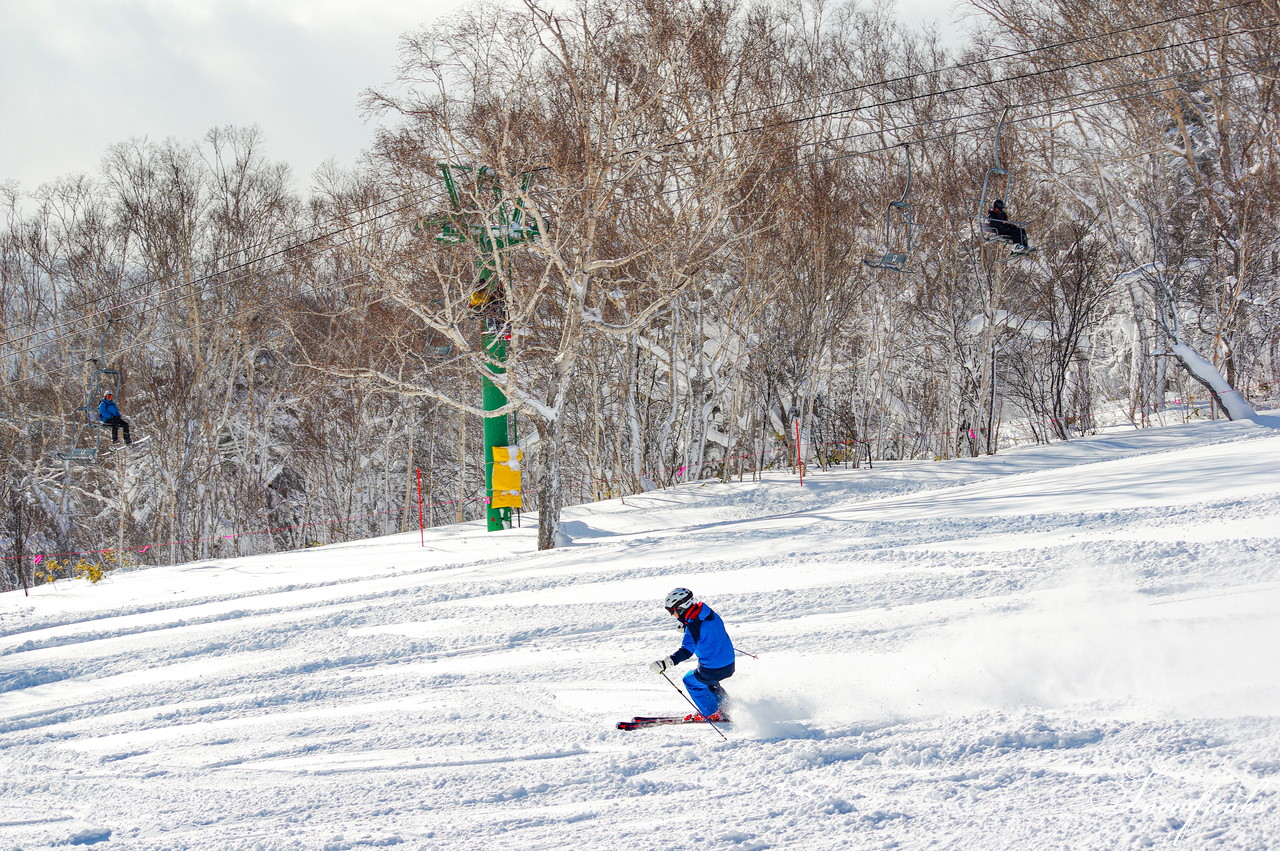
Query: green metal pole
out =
(495, 428)
(508, 228)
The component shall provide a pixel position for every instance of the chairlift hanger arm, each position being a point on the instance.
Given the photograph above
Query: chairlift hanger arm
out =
(996, 144)
(906, 190)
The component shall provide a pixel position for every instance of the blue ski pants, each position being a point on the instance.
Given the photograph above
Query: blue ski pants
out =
(703, 685)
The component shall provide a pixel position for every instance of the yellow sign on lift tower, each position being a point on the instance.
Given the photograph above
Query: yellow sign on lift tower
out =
(506, 477)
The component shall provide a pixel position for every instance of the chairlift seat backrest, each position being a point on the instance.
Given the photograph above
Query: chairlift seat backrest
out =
(91, 415)
(890, 260)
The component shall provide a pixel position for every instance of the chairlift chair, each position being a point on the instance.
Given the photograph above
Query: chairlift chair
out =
(995, 185)
(900, 230)
(434, 354)
(101, 381)
(435, 351)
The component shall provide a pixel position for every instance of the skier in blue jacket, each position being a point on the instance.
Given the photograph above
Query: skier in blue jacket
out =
(706, 638)
(110, 416)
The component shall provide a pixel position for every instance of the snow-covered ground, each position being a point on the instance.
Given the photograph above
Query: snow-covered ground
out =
(1070, 646)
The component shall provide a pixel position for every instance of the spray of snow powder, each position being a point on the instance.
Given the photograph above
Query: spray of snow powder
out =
(1092, 642)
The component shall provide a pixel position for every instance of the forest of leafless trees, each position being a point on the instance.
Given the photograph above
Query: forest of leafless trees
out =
(707, 178)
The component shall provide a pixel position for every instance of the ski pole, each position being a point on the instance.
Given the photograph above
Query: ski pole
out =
(745, 653)
(694, 705)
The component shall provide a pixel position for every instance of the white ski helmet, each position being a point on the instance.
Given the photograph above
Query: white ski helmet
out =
(679, 600)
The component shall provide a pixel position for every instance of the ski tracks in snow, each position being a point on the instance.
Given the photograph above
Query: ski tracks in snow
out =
(1062, 647)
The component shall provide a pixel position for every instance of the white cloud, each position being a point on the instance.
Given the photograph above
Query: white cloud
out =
(80, 75)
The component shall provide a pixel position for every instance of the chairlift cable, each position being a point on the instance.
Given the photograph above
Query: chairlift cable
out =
(955, 133)
(1014, 78)
(1014, 55)
(953, 90)
(1042, 101)
(200, 323)
(1049, 114)
(832, 113)
(156, 306)
(950, 91)
(907, 99)
(203, 278)
(209, 277)
(781, 169)
(348, 281)
(241, 250)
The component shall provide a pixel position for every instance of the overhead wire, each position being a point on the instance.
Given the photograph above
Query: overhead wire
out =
(832, 113)
(1013, 55)
(1011, 79)
(948, 69)
(211, 278)
(919, 96)
(244, 249)
(1049, 114)
(880, 131)
(780, 169)
(198, 323)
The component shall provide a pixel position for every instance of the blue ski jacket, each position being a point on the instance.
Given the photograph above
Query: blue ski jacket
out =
(107, 409)
(704, 637)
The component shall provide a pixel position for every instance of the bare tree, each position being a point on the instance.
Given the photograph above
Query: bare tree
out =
(1186, 182)
(622, 111)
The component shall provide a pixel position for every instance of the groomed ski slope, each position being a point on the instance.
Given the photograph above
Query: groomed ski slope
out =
(1070, 646)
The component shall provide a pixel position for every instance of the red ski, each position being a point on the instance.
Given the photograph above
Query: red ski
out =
(642, 721)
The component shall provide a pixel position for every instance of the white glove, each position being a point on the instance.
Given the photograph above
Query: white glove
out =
(662, 664)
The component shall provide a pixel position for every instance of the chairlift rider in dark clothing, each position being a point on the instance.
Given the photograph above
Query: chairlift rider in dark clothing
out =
(998, 221)
(110, 416)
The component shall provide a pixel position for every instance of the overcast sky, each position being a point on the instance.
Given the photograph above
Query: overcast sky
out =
(77, 76)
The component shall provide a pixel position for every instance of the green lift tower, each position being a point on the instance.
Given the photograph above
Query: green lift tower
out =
(482, 215)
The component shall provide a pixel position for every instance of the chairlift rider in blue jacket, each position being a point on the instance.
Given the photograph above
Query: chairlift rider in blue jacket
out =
(706, 638)
(110, 416)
